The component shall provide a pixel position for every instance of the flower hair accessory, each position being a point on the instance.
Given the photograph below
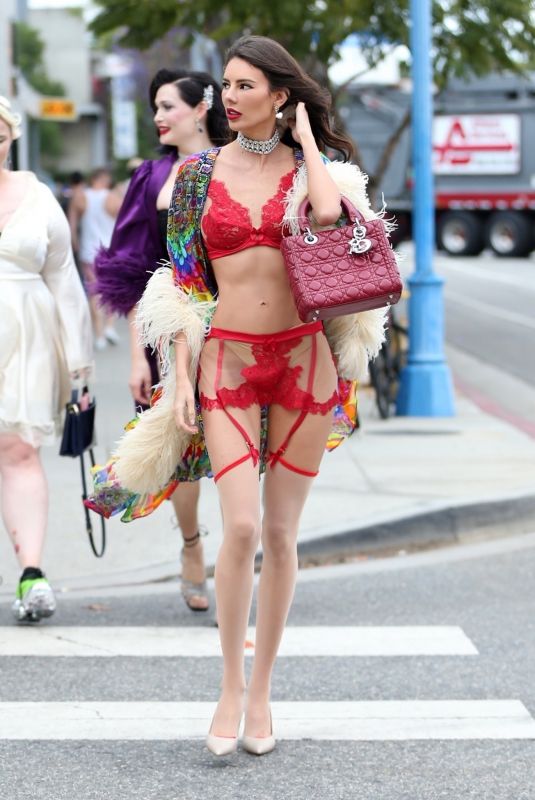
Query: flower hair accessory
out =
(10, 117)
(208, 96)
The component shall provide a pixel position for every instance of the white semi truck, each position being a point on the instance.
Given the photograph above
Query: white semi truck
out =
(484, 161)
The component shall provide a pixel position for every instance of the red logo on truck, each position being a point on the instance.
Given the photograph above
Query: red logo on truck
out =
(476, 144)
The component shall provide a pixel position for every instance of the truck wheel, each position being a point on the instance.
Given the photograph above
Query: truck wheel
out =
(509, 233)
(460, 233)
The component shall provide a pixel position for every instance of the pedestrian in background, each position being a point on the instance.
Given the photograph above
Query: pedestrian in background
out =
(45, 332)
(247, 380)
(75, 183)
(92, 214)
(74, 186)
(189, 117)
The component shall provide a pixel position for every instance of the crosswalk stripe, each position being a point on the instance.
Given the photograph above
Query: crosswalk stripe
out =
(352, 721)
(422, 640)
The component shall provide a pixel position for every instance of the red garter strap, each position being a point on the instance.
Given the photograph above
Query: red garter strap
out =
(274, 457)
(253, 452)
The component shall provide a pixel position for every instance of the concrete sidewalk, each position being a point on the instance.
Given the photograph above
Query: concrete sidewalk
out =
(395, 485)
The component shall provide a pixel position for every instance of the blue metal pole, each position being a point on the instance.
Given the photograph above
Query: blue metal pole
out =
(425, 386)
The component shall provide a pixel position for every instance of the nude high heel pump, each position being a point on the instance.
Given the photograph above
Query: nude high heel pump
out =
(260, 745)
(222, 745)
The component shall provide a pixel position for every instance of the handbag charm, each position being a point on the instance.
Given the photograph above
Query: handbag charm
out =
(359, 243)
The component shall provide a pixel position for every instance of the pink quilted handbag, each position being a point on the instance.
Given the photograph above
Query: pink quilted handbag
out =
(341, 270)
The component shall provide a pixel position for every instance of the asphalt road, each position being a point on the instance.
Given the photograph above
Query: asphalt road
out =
(490, 311)
(490, 330)
(484, 593)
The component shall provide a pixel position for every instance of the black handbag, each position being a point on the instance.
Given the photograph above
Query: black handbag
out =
(78, 437)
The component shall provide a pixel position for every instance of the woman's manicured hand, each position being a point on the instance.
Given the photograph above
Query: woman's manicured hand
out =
(184, 407)
(140, 381)
(300, 125)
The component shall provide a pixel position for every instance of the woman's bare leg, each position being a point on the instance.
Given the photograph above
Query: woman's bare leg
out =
(285, 493)
(234, 572)
(185, 501)
(234, 575)
(23, 477)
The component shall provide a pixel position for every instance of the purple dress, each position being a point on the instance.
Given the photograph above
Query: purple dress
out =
(123, 269)
(137, 245)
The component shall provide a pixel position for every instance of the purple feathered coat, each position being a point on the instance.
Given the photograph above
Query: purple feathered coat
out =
(123, 269)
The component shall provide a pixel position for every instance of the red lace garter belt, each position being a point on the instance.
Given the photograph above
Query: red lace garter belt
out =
(285, 368)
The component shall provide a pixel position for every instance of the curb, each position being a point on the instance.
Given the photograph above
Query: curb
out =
(423, 531)
(435, 528)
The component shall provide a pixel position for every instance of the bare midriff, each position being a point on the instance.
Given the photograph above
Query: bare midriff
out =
(254, 292)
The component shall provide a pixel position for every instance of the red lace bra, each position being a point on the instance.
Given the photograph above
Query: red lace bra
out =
(227, 228)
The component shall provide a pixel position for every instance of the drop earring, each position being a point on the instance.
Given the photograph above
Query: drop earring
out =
(278, 114)
(199, 126)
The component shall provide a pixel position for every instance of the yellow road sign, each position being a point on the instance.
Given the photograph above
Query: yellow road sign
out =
(58, 108)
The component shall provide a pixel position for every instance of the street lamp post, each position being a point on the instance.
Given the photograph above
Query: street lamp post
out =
(425, 385)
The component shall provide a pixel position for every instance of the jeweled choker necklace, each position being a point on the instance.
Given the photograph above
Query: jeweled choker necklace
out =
(257, 146)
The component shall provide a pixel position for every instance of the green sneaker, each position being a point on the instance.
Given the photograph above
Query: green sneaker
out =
(35, 598)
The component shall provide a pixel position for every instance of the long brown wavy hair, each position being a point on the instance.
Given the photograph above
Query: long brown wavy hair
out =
(283, 72)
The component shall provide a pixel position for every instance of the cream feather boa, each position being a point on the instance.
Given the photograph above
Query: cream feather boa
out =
(148, 454)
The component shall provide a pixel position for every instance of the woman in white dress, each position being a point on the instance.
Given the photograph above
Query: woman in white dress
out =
(45, 332)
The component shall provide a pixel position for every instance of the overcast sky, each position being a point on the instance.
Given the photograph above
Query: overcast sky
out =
(58, 3)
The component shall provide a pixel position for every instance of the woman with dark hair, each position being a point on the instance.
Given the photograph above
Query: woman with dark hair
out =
(251, 386)
(189, 117)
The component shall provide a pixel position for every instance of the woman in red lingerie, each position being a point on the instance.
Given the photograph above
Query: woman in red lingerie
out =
(258, 354)
(243, 378)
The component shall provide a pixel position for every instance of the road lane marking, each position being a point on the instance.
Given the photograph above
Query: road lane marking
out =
(470, 271)
(488, 308)
(385, 720)
(197, 642)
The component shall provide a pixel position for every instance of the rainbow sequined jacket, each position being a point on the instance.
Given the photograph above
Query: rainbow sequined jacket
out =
(153, 455)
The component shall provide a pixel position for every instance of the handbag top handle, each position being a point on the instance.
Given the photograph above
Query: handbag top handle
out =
(347, 206)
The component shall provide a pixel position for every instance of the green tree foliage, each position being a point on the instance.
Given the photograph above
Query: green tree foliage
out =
(469, 35)
(29, 49)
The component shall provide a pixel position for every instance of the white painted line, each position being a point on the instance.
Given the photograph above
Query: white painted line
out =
(351, 721)
(496, 312)
(419, 640)
(473, 271)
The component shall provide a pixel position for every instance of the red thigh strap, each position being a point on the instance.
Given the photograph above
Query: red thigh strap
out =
(274, 457)
(237, 463)
(293, 468)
